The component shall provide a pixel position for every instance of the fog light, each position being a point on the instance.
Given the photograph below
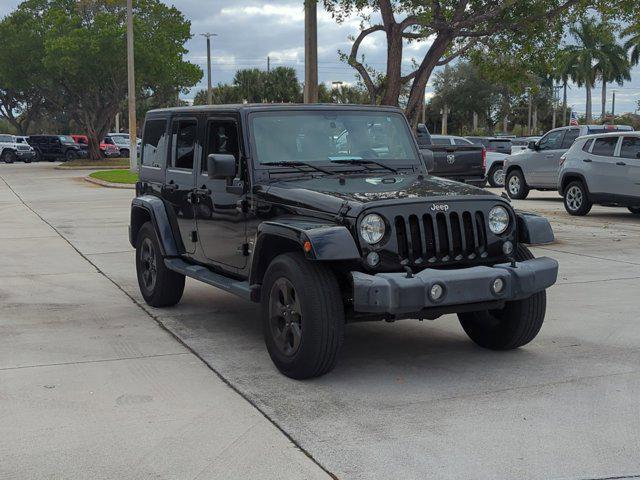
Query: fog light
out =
(507, 248)
(498, 285)
(373, 259)
(436, 292)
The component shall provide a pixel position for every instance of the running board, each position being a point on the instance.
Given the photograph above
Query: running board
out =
(237, 287)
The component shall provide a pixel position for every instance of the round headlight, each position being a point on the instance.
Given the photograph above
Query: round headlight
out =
(498, 220)
(372, 228)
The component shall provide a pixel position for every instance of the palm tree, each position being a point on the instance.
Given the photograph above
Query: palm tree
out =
(563, 70)
(595, 55)
(632, 45)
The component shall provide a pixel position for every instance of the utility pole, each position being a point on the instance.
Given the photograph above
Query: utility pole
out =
(530, 105)
(268, 64)
(133, 136)
(445, 118)
(209, 87)
(311, 51)
(613, 104)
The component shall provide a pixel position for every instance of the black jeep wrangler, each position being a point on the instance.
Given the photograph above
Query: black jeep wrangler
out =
(326, 214)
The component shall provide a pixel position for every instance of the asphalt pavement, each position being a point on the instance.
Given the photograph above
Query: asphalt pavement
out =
(90, 380)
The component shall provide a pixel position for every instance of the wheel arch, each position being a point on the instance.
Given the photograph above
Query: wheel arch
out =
(149, 208)
(569, 177)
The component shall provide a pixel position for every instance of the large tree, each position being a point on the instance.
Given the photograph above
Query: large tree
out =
(82, 56)
(452, 27)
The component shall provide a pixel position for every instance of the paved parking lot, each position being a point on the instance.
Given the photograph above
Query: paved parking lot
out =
(90, 382)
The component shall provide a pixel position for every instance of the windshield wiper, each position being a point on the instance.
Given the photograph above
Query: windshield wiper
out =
(298, 165)
(362, 161)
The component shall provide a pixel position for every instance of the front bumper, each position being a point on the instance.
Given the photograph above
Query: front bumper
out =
(26, 154)
(394, 293)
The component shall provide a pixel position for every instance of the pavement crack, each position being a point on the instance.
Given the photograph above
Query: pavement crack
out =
(84, 362)
(587, 256)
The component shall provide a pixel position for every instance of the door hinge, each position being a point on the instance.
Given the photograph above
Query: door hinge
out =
(194, 236)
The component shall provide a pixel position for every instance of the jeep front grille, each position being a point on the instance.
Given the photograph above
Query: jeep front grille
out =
(441, 237)
(23, 147)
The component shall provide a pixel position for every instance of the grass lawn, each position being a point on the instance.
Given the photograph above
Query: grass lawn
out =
(116, 176)
(107, 162)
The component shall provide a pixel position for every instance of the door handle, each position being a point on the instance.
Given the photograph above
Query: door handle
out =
(586, 160)
(622, 164)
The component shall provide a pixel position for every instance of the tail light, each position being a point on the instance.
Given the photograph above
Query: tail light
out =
(484, 159)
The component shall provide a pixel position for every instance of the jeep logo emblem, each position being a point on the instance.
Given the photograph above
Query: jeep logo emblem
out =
(439, 207)
(451, 158)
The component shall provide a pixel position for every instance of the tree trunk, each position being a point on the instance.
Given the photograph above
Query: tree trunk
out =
(564, 103)
(475, 123)
(604, 100)
(394, 65)
(588, 106)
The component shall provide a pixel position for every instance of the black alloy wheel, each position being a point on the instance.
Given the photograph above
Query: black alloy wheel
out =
(285, 317)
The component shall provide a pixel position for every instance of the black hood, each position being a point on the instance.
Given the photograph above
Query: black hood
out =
(329, 193)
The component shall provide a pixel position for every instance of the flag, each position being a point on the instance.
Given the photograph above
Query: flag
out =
(574, 119)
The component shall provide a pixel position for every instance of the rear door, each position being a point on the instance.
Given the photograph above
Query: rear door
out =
(180, 177)
(630, 156)
(542, 164)
(604, 171)
(220, 212)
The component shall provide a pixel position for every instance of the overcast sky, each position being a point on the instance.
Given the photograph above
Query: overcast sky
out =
(249, 31)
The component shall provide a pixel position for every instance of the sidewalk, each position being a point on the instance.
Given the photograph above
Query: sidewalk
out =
(92, 387)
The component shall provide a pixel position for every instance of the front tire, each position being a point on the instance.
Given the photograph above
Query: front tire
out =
(576, 199)
(9, 157)
(159, 286)
(302, 316)
(517, 324)
(635, 210)
(516, 186)
(70, 155)
(496, 176)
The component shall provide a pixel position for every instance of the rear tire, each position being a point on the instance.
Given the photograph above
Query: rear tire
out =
(635, 210)
(9, 157)
(496, 176)
(516, 186)
(159, 286)
(515, 325)
(576, 199)
(302, 316)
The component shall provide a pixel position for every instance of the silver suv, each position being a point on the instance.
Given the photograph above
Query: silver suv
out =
(537, 167)
(602, 169)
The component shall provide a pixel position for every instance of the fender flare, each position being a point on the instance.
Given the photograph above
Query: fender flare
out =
(534, 229)
(152, 208)
(327, 242)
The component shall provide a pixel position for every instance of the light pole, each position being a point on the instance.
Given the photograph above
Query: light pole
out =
(337, 85)
(613, 104)
(529, 120)
(133, 137)
(310, 51)
(209, 88)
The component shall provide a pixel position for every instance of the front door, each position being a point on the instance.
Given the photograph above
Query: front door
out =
(180, 178)
(545, 160)
(630, 155)
(221, 217)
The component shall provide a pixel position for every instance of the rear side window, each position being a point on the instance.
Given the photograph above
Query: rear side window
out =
(153, 143)
(630, 147)
(605, 146)
(570, 137)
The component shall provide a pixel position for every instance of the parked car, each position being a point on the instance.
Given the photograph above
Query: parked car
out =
(521, 144)
(603, 169)
(106, 150)
(121, 143)
(271, 203)
(456, 160)
(493, 144)
(537, 168)
(56, 147)
(11, 150)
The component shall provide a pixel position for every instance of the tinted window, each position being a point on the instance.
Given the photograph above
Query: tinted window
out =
(630, 147)
(461, 141)
(222, 138)
(587, 145)
(184, 143)
(605, 146)
(570, 137)
(6, 138)
(153, 143)
(441, 141)
(552, 140)
(500, 143)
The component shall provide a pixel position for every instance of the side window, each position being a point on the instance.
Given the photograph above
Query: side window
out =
(630, 147)
(570, 137)
(605, 146)
(183, 143)
(587, 145)
(153, 143)
(552, 140)
(441, 141)
(222, 138)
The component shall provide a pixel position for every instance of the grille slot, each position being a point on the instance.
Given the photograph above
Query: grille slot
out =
(441, 237)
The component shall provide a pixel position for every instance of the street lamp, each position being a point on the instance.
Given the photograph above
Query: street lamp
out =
(209, 88)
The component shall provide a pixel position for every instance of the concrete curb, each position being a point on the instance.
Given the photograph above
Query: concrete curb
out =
(102, 183)
(97, 167)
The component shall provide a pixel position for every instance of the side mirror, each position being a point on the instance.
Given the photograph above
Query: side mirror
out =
(533, 145)
(429, 162)
(221, 166)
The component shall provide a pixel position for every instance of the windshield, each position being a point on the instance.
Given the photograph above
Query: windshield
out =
(326, 136)
(6, 139)
(66, 139)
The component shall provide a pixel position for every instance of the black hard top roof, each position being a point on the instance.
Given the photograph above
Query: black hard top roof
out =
(261, 107)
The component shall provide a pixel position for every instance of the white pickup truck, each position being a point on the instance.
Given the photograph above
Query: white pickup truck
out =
(11, 150)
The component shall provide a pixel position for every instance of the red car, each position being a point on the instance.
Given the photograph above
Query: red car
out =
(107, 150)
